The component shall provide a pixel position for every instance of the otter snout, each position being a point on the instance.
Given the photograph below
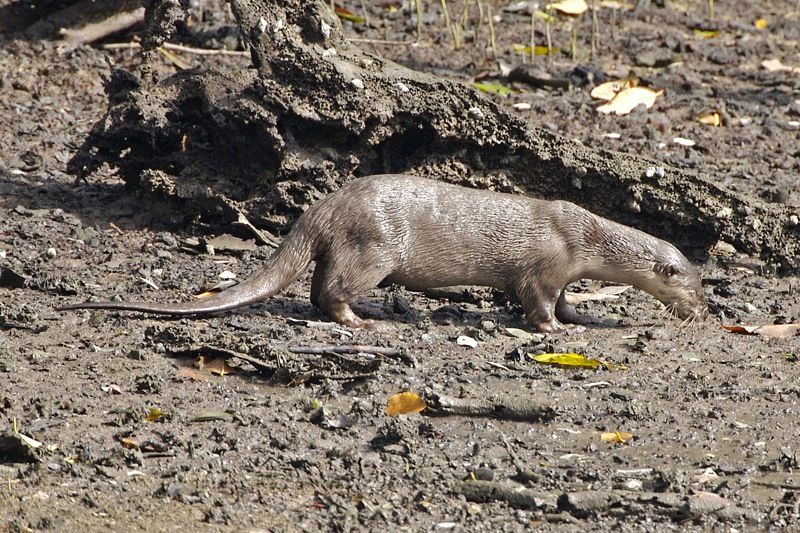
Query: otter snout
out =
(692, 306)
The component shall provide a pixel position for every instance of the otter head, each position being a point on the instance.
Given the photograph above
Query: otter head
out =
(676, 284)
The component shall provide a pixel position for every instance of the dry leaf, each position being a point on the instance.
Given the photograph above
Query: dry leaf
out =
(191, 373)
(760, 24)
(610, 292)
(617, 437)
(153, 414)
(709, 118)
(129, 443)
(688, 143)
(608, 90)
(776, 65)
(346, 14)
(626, 100)
(569, 7)
(769, 331)
(403, 403)
(32, 443)
(219, 366)
(567, 359)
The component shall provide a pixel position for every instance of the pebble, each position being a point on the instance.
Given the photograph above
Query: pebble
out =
(51, 252)
(464, 340)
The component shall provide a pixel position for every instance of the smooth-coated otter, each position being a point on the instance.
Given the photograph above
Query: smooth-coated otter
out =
(422, 234)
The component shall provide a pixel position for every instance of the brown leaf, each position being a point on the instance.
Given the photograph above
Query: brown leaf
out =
(219, 366)
(403, 403)
(769, 331)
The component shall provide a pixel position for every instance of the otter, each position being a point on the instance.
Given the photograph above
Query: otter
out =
(422, 234)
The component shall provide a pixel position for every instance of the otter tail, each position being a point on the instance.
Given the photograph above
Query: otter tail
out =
(285, 265)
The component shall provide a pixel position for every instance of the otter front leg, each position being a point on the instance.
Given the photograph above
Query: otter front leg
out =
(539, 304)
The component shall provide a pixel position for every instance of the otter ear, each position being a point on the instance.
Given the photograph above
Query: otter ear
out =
(665, 269)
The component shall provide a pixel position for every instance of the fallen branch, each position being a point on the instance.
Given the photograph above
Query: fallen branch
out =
(681, 507)
(508, 409)
(345, 348)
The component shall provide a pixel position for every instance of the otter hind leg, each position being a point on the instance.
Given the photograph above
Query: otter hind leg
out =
(566, 313)
(335, 285)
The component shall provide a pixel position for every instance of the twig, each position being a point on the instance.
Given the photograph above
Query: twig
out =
(595, 28)
(345, 348)
(418, 4)
(492, 37)
(179, 48)
(224, 352)
(785, 486)
(449, 24)
(380, 41)
(533, 34)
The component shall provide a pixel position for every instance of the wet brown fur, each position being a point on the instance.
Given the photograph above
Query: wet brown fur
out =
(423, 234)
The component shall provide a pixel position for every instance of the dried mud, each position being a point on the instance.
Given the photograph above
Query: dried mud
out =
(715, 416)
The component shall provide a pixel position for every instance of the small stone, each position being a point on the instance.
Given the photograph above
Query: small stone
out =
(793, 221)
(326, 29)
(51, 252)
(724, 213)
(330, 52)
(750, 308)
(633, 484)
(464, 340)
(650, 172)
(488, 326)
(357, 83)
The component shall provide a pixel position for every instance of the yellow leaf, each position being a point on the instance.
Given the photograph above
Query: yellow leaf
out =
(617, 437)
(545, 17)
(760, 24)
(608, 90)
(569, 7)
(567, 359)
(709, 118)
(705, 34)
(153, 414)
(626, 100)
(404, 402)
(496, 88)
(526, 49)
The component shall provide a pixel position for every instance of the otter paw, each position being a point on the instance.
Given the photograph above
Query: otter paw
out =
(551, 326)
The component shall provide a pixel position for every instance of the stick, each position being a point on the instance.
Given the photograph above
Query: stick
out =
(95, 31)
(520, 410)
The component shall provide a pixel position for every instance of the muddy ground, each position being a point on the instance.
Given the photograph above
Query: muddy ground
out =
(714, 416)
